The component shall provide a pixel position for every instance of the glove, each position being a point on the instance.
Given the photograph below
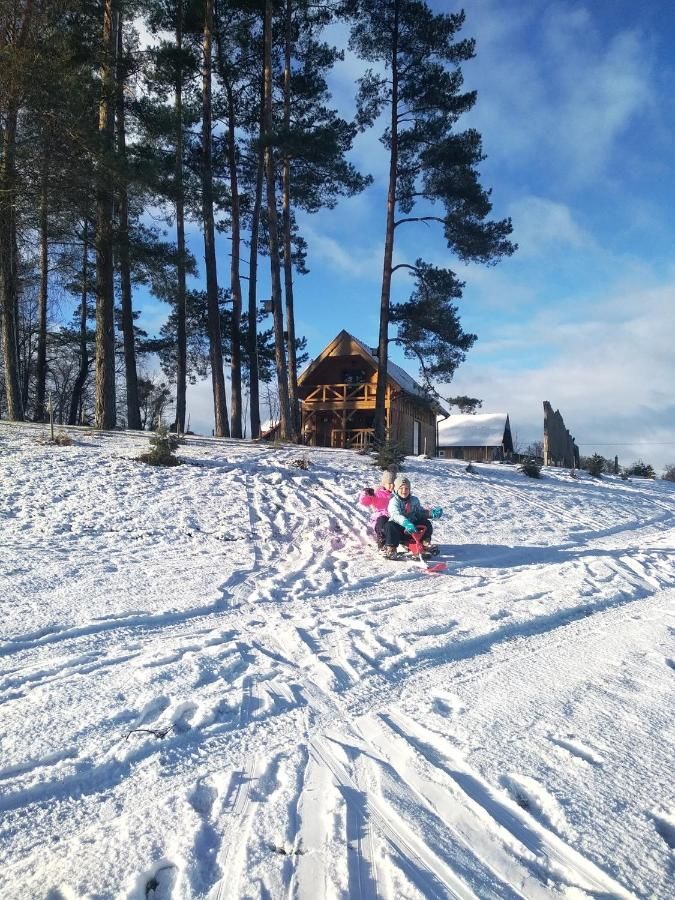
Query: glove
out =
(436, 512)
(408, 526)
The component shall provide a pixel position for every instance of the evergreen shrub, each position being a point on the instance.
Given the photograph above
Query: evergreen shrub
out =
(530, 467)
(595, 465)
(162, 449)
(388, 455)
(641, 469)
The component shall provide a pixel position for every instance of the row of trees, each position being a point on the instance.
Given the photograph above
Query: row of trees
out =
(225, 123)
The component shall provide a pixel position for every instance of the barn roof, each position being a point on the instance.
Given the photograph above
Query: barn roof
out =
(480, 430)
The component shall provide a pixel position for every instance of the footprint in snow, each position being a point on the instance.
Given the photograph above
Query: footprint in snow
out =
(664, 822)
(578, 749)
(533, 797)
(447, 704)
(203, 796)
(500, 614)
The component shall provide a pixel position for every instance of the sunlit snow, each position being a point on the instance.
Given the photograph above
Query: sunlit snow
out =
(211, 685)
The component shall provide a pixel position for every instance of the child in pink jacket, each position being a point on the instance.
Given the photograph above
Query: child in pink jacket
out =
(379, 501)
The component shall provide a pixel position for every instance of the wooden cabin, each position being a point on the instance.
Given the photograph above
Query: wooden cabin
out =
(483, 437)
(337, 393)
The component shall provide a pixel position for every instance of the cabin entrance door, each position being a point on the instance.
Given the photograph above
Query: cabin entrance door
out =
(324, 429)
(417, 437)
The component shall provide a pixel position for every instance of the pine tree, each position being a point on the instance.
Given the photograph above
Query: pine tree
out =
(286, 421)
(127, 315)
(313, 144)
(222, 428)
(105, 413)
(428, 160)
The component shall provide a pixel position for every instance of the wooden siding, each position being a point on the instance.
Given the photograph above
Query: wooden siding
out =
(472, 454)
(338, 404)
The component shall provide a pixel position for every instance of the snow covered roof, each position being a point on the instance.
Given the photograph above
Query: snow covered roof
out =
(481, 430)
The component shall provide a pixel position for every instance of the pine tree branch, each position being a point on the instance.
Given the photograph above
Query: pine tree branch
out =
(419, 219)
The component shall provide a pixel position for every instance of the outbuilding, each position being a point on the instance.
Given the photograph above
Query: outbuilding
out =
(483, 437)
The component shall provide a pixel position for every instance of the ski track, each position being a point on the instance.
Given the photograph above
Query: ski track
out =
(299, 718)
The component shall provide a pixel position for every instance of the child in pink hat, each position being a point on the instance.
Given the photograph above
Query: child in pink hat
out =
(378, 499)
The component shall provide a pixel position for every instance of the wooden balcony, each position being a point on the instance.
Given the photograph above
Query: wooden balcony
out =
(352, 438)
(331, 396)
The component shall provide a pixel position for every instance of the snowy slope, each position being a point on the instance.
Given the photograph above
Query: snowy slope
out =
(212, 686)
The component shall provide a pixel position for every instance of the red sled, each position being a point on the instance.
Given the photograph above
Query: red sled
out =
(417, 549)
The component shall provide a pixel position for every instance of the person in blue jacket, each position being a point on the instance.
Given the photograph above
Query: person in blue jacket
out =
(406, 513)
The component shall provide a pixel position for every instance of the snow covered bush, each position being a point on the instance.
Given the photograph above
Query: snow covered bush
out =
(530, 467)
(62, 438)
(162, 449)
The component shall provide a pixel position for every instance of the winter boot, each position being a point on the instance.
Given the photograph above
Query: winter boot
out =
(429, 548)
(390, 553)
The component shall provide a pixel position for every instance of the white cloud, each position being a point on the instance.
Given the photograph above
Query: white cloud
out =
(539, 222)
(553, 87)
(354, 260)
(609, 372)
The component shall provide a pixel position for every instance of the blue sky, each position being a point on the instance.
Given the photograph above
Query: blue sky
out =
(576, 105)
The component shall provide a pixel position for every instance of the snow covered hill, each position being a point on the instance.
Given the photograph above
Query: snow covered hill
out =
(212, 686)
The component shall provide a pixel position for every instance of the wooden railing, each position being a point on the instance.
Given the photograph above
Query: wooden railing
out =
(342, 393)
(352, 438)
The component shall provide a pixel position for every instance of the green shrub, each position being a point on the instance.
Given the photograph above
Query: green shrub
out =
(388, 455)
(595, 465)
(530, 467)
(641, 469)
(162, 449)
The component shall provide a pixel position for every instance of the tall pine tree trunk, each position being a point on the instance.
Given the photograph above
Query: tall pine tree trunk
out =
(181, 330)
(17, 35)
(252, 336)
(235, 280)
(286, 225)
(285, 419)
(8, 285)
(127, 317)
(105, 413)
(41, 363)
(78, 387)
(215, 346)
(385, 297)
